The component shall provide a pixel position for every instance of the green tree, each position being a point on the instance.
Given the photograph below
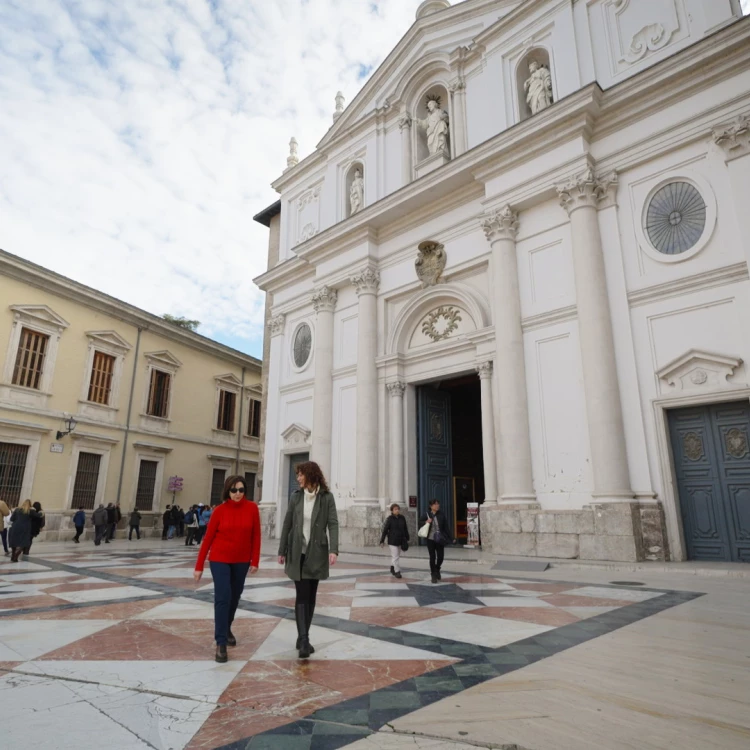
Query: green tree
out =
(182, 322)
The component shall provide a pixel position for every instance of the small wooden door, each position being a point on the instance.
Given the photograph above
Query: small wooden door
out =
(294, 461)
(435, 461)
(711, 450)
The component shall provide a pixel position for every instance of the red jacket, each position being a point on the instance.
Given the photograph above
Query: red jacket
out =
(233, 534)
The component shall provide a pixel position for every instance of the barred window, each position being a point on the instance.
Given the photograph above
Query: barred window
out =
(144, 494)
(87, 480)
(250, 485)
(12, 468)
(225, 420)
(158, 394)
(30, 359)
(217, 485)
(253, 419)
(102, 370)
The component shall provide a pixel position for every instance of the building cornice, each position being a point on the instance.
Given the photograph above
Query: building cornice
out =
(23, 270)
(287, 272)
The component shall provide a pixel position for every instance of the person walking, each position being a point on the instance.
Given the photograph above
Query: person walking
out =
(4, 513)
(191, 523)
(181, 522)
(79, 521)
(174, 521)
(37, 524)
(99, 519)
(165, 519)
(437, 537)
(232, 541)
(203, 519)
(397, 532)
(309, 545)
(111, 523)
(135, 525)
(19, 536)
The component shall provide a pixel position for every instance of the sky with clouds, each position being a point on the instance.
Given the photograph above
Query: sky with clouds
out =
(139, 137)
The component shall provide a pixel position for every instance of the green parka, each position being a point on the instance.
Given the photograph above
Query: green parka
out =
(320, 544)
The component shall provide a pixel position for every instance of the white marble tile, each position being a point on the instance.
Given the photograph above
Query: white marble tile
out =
(623, 594)
(267, 594)
(204, 680)
(183, 608)
(30, 639)
(343, 613)
(455, 606)
(491, 631)
(485, 586)
(356, 593)
(96, 595)
(382, 586)
(168, 573)
(20, 566)
(336, 581)
(512, 601)
(15, 592)
(281, 640)
(31, 577)
(386, 601)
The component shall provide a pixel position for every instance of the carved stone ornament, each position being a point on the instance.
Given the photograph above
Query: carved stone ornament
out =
(296, 436)
(648, 39)
(586, 190)
(441, 323)
(308, 231)
(430, 263)
(276, 324)
(693, 446)
(324, 299)
(734, 138)
(736, 442)
(484, 370)
(366, 281)
(293, 159)
(396, 389)
(698, 369)
(501, 225)
(404, 121)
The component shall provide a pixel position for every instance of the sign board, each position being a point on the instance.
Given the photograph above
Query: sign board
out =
(412, 501)
(472, 525)
(56, 448)
(175, 484)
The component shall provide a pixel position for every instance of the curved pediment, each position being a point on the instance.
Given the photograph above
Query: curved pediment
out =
(699, 369)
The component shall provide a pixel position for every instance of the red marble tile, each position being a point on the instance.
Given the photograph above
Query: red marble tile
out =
(569, 600)
(26, 602)
(475, 579)
(64, 588)
(549, 588)
(126, 572)
(6, 666)
(385, 578)
(229, 724)
(322, 600)
(392, 617)
(537, 615)
(184, 584)
(114, 611)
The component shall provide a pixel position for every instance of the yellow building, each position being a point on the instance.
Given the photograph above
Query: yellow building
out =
(149, 400)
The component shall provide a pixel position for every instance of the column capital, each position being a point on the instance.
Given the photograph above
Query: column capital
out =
(276, 325)
(404, 121)
(366, 281)
(501, 224)
(484, 370)
(396, 389)
(586, 190)
(324, 299)
(457, 84)
(734, 138)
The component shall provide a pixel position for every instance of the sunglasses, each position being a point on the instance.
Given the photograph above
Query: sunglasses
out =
(237, 489)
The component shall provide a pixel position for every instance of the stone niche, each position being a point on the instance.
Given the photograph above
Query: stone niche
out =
(621, 532)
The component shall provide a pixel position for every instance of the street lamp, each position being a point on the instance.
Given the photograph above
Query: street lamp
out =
(70, 425)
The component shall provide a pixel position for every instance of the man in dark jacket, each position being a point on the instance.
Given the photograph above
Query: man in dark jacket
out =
(111, 523)
(174, 522)
(397, 531)
(99, 519)
(79, 521)
(165, 519)
(135, 525)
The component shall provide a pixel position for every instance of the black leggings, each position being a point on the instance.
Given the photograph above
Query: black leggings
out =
(437, 551)
(307, 591)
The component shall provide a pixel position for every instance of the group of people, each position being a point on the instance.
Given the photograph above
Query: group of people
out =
(18, 529)
(177, 521)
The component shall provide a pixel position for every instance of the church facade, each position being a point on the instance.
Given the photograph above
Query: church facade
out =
(514, 272)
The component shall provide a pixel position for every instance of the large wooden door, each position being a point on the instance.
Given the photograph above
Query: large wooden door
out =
(434, 451)
(711, 452)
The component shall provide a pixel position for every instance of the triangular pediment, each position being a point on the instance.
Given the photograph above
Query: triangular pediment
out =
(296, 435)
(699, 369)
(111, 339)
(163, 358)
(39, 314)
(229, 379)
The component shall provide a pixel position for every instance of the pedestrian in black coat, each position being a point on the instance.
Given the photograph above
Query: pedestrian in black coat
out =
(397, 533)
(20, 534)
(438, 537)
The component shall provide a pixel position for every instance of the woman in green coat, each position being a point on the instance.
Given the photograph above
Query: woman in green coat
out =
(309, 545)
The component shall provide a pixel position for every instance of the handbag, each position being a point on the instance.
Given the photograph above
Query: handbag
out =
(404, 546)
(424, 531)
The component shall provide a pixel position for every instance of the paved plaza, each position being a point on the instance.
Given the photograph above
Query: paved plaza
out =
(113, 647)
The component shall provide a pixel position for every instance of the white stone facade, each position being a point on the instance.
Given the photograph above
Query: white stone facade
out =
(558, 267)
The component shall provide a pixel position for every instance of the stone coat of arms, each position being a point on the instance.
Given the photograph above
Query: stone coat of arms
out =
(430, 263)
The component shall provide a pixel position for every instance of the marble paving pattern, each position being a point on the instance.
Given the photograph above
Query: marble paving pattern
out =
(120, 645)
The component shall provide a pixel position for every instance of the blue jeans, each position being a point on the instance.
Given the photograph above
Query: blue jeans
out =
(229, 580)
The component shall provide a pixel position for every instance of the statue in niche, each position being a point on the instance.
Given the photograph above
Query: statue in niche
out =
(436, 125)
(357, 193)
(538, 87)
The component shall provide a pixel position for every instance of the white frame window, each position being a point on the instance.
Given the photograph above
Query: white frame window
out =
(228, 383)
(167, 363)
(112, 344)
(149, 452)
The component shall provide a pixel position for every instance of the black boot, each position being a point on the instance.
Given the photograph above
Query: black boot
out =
(437, 573)
(221, 654)
(300, 612)
(398, 574)
(231, 640)
(393, 571)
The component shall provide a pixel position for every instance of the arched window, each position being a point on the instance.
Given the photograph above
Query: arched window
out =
(534, 83)
(354, 189)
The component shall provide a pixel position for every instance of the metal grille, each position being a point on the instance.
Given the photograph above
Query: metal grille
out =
(12, 468)
(87, 480)
(227, 401)
(302, 345)
(250, 485)
(676, 218)
(144, 494)
(101, 378)
(30, 359)
(158, 394)
(253, 422)
(217, 485)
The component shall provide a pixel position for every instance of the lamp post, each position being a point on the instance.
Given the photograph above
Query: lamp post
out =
(70, 425)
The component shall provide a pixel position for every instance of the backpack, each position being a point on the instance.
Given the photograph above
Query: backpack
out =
(189, 516)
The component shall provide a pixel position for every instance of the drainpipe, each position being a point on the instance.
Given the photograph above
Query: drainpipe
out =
(127, 420)
(239, 424)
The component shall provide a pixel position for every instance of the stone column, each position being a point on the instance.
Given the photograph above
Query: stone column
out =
(324, 302)
(366, 283)
(734, 139)
(270, 505)
(458, 124)
(397, 449)
(488, 433)
(581, 197)
(404, 125)
(512, 411)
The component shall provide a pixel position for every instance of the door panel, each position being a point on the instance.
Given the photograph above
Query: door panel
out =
(435, 464)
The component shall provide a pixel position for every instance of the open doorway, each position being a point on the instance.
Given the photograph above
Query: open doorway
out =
(449, 448)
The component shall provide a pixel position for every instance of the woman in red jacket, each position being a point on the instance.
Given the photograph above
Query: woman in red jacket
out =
(233, 538)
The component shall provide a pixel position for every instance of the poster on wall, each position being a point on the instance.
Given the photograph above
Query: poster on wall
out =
(472, 525)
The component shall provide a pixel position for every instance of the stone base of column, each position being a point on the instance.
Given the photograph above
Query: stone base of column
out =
(613, 496)
(519, 499)
(360, 526)
(268, 520)
(621, 532)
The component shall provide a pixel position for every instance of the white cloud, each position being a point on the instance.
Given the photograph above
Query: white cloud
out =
(139, 138)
